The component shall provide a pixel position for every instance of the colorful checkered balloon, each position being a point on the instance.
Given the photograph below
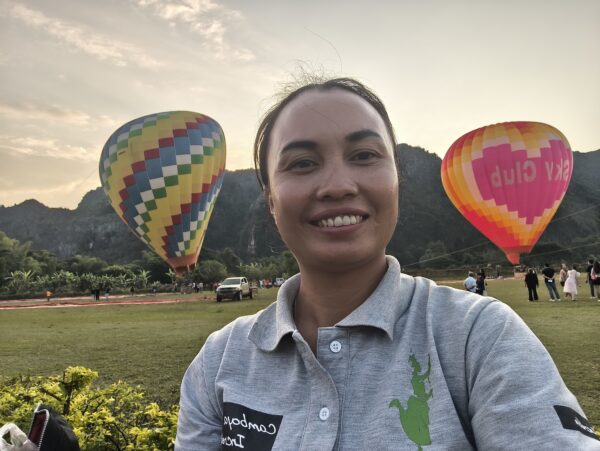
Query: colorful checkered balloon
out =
(508, 180)
(162, 174)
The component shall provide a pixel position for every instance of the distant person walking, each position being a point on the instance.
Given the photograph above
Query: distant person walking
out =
(470, 283)
(532, 282)
(548, 273)
(589, 280)
(48, 295)
(595, 278)
(571, 283)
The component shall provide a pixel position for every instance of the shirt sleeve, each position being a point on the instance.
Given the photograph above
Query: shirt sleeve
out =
(518, 399)
(199, 424)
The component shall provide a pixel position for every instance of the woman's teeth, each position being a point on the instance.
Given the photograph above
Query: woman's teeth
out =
(340, 221)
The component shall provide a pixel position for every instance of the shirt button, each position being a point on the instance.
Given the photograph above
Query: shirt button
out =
(335, 346)
(324, 413)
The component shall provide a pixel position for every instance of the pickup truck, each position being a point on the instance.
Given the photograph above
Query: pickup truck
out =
(234, 288)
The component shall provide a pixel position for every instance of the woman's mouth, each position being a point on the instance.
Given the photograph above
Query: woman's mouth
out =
(340, 221)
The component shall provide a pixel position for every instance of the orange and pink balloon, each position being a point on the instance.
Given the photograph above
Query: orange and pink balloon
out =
(508, 180)
(162, 174)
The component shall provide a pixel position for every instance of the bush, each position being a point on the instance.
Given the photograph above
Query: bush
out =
(115, 417)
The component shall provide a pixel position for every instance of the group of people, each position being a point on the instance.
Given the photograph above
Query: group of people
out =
(568, 280)
(475, 283)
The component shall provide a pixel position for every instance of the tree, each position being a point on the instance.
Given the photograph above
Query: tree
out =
(156, 266)
(435, 255)
(142, 278)
(210, 271)
(20, 281)
(48, 262)
(14, 256)
(81, 264)
(230, 260)
(253, 271)
(289, 265)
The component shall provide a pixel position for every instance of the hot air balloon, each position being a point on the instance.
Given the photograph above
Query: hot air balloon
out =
(508, 180)
(162, 174)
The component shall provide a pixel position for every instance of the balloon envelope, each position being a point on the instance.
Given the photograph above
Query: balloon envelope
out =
(508, 180)
(162, 174)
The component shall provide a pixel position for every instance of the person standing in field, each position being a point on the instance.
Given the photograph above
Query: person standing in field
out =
(354, 354)
(588, 278)
(548, 273)
(562, 275)
(571, 283)
(470, 283)
(595, 277)
(480, 284)
(532, 282)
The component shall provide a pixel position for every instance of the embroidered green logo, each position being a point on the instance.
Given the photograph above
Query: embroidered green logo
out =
(415, 417)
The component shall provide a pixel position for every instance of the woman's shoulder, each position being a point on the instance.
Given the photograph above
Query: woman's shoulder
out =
(236, 332)
(447, 304)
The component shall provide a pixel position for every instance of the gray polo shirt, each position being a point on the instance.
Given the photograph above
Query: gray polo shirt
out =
(416, 366)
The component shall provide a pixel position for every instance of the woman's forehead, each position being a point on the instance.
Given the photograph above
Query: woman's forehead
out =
(316, 112)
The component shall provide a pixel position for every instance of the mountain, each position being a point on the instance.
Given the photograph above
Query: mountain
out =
(428, 225)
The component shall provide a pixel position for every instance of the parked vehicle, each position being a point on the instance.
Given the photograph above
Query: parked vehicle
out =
(234, 288)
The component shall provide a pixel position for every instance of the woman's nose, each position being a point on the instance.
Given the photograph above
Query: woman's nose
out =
(337, 182)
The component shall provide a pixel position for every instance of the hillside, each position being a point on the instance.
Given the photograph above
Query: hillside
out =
(429, 225)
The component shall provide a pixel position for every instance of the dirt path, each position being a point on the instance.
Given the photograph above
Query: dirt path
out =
(69, 302)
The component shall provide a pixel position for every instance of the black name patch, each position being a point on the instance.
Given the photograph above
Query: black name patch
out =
(245, 428)
(572, 420)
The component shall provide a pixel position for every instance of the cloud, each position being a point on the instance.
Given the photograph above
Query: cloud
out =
(84, 40)
(205, 18)
(55, 114)
(45, 147)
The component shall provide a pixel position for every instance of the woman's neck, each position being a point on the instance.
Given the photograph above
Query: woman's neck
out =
(327, 297)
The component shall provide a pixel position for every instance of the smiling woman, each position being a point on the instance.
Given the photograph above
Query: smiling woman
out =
(354, 354)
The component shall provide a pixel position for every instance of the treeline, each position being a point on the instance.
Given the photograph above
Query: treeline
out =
(26, 272)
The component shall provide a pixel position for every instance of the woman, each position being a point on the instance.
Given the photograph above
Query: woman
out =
(532, 282)
(562, 275)
(355, 355)
(570, 288)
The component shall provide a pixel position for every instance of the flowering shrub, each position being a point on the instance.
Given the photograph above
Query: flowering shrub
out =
(115, 417)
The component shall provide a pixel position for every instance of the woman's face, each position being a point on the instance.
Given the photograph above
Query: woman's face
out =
(333, 185)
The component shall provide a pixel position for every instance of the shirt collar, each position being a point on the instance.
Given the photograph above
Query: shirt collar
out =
(381, 309)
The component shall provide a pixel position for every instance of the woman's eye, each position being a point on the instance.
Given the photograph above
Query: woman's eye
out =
(302, 164)
(364, 155)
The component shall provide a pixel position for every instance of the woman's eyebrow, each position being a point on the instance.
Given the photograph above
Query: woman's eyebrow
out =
(306, 144)
(362, 134)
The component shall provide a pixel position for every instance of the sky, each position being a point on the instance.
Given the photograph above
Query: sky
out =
(72, 72)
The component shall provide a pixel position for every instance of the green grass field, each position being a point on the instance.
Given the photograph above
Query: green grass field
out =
(151, 345)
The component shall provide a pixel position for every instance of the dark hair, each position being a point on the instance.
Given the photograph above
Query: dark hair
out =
(597, 267)
(262, 140)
